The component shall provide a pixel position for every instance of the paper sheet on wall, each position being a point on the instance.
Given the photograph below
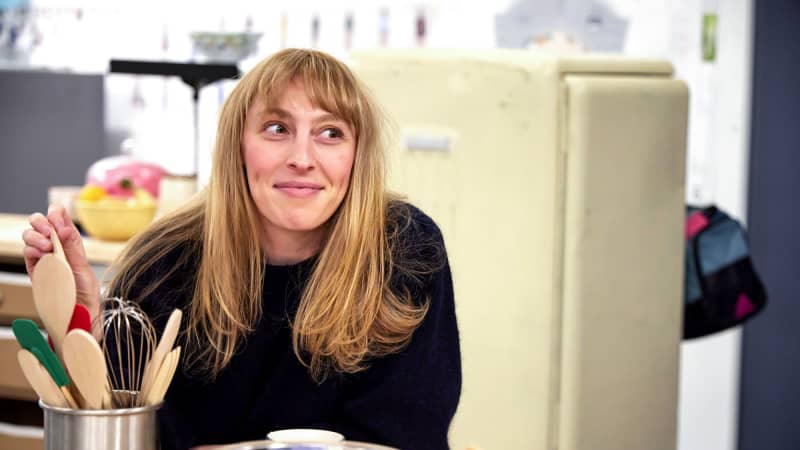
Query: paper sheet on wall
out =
(579, 25)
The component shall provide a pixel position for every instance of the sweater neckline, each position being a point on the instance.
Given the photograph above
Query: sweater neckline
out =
(300, 264)
(282, 288)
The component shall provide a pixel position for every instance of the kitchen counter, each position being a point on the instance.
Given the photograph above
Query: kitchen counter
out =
(11, 245)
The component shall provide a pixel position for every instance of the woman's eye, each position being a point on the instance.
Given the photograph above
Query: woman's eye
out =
(332, 133)
(275, 128)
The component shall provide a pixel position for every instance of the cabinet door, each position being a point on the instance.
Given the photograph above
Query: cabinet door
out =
(13, 437)
(16, 298)
(624, 143)
(12, 381)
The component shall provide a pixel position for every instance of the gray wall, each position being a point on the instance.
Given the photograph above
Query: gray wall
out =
(51, 130)
(770, 383)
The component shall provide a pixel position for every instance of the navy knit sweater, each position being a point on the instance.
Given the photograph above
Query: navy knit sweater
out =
(404, 400)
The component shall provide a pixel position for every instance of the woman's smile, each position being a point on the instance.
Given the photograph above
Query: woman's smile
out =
(299, 189)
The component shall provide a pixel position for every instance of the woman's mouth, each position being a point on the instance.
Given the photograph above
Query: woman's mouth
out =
(298, 189)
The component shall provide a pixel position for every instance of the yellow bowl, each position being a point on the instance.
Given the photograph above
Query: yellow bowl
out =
(114, 222)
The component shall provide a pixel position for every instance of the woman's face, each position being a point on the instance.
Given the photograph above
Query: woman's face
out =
(298, 159)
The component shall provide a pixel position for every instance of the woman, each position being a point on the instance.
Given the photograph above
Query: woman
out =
(314, 299)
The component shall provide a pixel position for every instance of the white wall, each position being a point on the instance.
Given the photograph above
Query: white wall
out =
(717, 160)
(710, 367)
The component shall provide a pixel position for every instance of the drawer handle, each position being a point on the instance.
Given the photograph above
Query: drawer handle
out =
(2, 297)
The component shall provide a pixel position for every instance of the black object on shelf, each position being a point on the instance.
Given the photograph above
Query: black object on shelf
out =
(196, 75)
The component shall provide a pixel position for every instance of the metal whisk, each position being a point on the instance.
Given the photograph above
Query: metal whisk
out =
(128, 342)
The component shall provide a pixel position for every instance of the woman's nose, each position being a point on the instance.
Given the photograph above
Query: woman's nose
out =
(301, 154)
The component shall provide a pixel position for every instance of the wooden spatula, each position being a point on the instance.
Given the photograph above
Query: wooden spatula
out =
(87, 367)
(164, 346)
(54, 292)
(163, 378)
(31, 339)
(40, 380)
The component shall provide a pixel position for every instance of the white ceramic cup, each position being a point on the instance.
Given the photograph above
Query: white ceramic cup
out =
(305, 436)
(174, 191)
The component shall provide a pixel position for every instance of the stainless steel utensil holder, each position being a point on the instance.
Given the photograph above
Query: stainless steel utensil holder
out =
(102, 429)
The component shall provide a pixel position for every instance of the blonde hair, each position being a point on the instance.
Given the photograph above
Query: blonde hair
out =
(350, 310)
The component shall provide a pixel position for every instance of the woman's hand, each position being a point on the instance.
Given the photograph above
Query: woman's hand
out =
(37, 244)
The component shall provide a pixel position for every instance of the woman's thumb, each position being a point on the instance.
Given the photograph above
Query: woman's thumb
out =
(68, 234)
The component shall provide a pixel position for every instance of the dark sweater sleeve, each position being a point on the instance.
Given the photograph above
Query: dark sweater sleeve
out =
(407, 400)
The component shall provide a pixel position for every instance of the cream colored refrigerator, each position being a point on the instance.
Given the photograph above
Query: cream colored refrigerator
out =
(558, 184)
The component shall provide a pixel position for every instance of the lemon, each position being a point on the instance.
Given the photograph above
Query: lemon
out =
(92, 193)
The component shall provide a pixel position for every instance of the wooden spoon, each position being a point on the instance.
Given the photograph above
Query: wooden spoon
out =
(40, 380)
(31, 339)
(164, 346)
(58, 249)
(87, 367)
(54, 292)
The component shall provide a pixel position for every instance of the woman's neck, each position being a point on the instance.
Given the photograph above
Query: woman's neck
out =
(286, 247)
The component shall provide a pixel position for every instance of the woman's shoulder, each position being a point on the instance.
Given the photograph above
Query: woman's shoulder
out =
(410, 223)
(417, 247)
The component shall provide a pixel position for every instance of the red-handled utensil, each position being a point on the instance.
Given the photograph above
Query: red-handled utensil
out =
(81, 320)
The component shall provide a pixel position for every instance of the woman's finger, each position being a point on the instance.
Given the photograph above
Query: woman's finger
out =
(56, 215)
(37, 240)
(68, 235)
(31, 256)
(40, 223)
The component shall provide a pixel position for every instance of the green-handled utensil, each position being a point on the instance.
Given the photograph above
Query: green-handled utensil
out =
(31, 339)
(40, 380)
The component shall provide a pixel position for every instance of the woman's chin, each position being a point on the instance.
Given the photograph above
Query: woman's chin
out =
(301, 225)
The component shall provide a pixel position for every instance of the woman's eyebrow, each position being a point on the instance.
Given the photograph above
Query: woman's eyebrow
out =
(282, 113)
(328, 117)
(286, 115)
